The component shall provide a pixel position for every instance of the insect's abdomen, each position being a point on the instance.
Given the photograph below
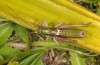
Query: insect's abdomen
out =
(72, 33)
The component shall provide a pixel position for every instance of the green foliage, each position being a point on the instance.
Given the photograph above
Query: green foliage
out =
(8, 52)
(76, 59)
(31, 57)
(13, 63)
(6, 30)
(30, 60)
(22, 33)
(39, 62)
(1, 58)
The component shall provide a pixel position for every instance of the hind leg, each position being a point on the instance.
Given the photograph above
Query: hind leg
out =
(61, 39)
(63, 25)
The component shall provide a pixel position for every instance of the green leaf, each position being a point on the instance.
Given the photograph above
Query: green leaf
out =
(29, 59)
(98, 11)
(13, 63)
(31, 56)
(76, 59)
(36, 59)
(8, 52)
(1, 20)
(5, 32)
(29, 52)
(39, 62)
(22, 32)
(1, 58)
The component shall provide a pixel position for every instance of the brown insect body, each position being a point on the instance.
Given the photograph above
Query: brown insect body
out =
(69, 33)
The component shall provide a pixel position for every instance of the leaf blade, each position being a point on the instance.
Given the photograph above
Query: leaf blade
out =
(5, 32)
(22, 32)
(76, 59)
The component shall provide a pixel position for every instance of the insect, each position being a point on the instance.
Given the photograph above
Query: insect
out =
(63, 32)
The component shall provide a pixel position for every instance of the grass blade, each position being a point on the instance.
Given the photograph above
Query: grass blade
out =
(22, 32)
(76, 59)
(6, 30)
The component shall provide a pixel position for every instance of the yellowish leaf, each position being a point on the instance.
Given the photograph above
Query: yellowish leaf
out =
(29, 12)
